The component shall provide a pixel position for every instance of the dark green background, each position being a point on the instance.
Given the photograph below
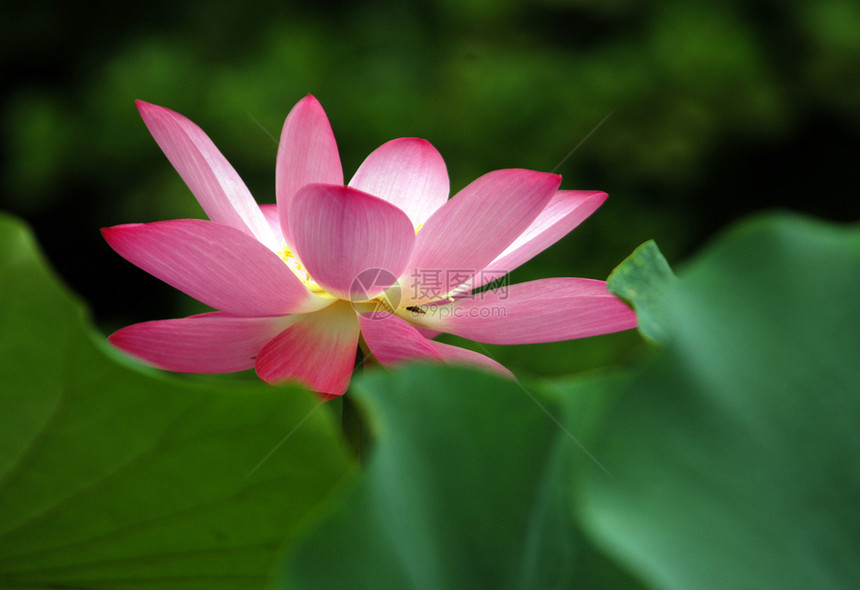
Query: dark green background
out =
(718, 109)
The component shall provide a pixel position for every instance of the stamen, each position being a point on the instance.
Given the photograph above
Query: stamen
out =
(295, 265)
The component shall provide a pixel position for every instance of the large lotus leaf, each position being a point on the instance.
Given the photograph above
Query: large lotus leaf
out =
(113, 476)
(467, 487)
(735, 455)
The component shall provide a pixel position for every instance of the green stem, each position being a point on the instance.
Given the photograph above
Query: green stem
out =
(353, 425)
(353, 429)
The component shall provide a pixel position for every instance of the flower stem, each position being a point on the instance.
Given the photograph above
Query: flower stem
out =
(354, 431)
(352, 423)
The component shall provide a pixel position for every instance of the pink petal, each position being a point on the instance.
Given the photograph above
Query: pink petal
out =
(338, 233)
(211, 178)
(392, 340)
(429, 334)
(546, 310)
(270, 212)
(307, 154)
(565, 211)
(318, 350)
(207, 343)
(454, 355)
(215, 264)
(474, 227)
(408, 173)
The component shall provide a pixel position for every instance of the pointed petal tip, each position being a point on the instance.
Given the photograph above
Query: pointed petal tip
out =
(145, 104)
(121, 341)
(113, 338)
(455, 355)
(119, 338)
(154, 116)
(564, 212)
(308, 101)
(524, 175)
(205, 343)
(547, 176)
(211, 178)
(109, 233)
(416, 140)
(478, 223)
(596, 199)
(148, 110)
(307, 153)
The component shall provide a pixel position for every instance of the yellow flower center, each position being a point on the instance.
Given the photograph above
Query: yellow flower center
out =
(295, 265)
(382, 303)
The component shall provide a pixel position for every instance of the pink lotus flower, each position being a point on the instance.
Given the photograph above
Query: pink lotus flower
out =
(296, 284)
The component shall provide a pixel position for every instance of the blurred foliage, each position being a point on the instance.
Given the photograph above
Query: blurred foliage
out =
(115, 476)
(729, 458)
(735, 452)
(717, 109)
